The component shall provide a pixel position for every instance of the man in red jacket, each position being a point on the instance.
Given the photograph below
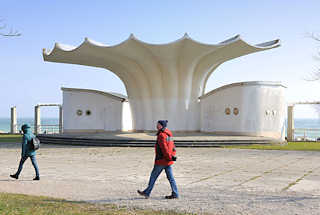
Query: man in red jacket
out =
(165, 155)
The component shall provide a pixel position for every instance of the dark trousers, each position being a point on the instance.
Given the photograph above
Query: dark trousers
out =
(34, 163)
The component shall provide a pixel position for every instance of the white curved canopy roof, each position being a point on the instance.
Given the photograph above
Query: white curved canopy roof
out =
(162, 80)
(70, 54)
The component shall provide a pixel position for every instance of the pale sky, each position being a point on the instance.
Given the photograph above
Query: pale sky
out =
(27, 80)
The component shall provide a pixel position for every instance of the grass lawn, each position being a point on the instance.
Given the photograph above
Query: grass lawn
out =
(295, 146)
(10, 138)
(18, 204)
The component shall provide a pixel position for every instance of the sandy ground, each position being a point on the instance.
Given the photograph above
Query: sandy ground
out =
(210, 180)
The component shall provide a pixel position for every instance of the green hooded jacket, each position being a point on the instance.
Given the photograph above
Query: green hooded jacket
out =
(27, 137)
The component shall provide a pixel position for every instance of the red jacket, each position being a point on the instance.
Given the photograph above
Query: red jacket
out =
(164, 148)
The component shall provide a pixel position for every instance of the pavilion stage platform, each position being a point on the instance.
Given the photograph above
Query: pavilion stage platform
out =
(147, 139)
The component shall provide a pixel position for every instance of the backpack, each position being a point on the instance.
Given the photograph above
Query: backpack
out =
(34, 143)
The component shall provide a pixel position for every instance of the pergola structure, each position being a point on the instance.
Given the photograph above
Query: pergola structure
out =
(290, 126)
(37, 119)
(162, 81)
(14, 124)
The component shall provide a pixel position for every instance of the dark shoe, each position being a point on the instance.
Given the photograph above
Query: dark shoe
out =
(14, 176)
(171, 197)
(143, 194)
(37, 178)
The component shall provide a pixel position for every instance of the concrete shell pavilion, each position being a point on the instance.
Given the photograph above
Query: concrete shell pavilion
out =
(163, 81)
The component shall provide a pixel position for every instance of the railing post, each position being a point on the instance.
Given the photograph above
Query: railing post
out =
(290, 127)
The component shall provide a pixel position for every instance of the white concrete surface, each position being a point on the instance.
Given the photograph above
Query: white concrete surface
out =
(162, 81)
(246, 108)
(126, 117)
(92, 111)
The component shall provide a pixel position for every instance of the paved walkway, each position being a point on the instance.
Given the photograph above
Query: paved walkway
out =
(214, 180)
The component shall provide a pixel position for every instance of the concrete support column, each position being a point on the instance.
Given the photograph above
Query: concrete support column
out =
(37, 122)
(13, 125)
(60, 120)
(290, 128)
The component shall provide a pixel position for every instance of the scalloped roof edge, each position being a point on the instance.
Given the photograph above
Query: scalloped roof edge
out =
(67, 48)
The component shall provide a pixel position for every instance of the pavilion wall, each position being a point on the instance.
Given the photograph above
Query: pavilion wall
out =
(247, 108)
(91, 112)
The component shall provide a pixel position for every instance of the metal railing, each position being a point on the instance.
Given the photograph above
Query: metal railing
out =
(49, 129)
(306, 134)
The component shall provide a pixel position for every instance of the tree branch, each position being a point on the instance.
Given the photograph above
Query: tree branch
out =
(315, 75)
(317, 108)
(314, 36)
(11, 33)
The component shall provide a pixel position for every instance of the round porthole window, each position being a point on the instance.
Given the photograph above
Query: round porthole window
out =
(227, 111)
(235, 111)
(88, 112)
(267, 112)
(79, 112)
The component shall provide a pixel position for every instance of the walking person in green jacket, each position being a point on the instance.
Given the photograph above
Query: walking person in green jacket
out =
(27, 152)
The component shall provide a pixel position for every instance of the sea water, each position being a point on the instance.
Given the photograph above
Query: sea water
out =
(299, 124)
(47, 123)
(54, 124)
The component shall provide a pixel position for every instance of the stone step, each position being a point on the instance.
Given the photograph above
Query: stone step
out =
(142, 143)
(46, 137)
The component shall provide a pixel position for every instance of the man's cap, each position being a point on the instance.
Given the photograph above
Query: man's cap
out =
(163, 123)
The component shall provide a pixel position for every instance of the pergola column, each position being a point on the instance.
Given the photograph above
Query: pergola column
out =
(13, 124)
(60, 120)
(290, 128)
(37, 122)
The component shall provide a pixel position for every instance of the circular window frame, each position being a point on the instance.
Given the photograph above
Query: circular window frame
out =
(79, 112)
(235, 111)
(227, 111)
